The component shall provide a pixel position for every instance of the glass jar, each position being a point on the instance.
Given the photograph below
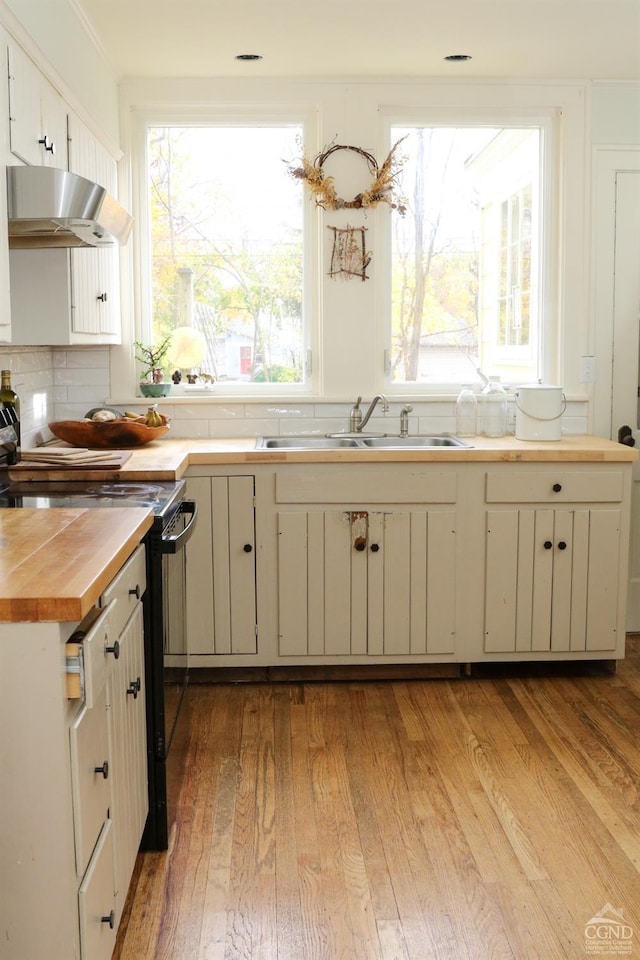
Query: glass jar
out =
(494, 409)
(466, 412)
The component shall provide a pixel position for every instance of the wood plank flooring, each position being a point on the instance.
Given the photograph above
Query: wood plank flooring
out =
(472, 819)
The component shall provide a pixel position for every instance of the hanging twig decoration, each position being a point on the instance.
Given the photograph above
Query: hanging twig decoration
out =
(349, 257)
(381, 190)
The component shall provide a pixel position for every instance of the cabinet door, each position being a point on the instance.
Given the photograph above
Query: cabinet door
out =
(357, 583)
(95, 274)
(126, 691)
(221, 579)
(37, 114)
(98, 925)
(552, 580)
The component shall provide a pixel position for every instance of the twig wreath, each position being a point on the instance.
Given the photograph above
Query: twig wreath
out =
(382, 189)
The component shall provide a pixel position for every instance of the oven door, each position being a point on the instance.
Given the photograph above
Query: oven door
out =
(174, 627)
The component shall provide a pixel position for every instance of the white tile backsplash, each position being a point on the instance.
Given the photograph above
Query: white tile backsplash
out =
(69, 381)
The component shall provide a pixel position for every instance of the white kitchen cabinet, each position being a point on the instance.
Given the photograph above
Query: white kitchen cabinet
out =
(95, 274)
(366, 582)
(555, 558)
(221, 568)
(37, 114)
(82, 303)
(359, 579)
(73, 818)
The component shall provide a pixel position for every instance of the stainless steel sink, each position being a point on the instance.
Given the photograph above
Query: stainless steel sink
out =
(304, 443)
(362, 443)
(391, 443)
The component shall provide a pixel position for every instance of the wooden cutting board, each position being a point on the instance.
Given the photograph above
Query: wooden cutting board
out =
(100, 470)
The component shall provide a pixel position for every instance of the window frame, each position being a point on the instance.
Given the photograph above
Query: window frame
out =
(548, 122)
(233, 116)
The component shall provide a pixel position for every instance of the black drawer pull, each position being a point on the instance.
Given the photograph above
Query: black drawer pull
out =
(115, 649)
(557, 487)
(104, 770)
(375, 547)
(135, 591)
(562, 545)
(548, 544)
(110, 919)
(247, 548)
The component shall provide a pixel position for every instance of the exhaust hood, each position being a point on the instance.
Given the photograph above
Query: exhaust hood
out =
(48, 207)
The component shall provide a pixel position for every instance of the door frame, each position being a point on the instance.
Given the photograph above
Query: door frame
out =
(607, 162)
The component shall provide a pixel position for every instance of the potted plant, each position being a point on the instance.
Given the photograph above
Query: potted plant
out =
(152, 356)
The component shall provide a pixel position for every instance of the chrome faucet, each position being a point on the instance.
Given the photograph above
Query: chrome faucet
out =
(361, 422)
(404, 420)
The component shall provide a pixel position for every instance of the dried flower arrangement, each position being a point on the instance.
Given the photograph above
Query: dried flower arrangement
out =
(382, 189)
(349, 257)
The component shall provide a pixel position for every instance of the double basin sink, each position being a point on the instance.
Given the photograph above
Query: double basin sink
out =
(358, 442)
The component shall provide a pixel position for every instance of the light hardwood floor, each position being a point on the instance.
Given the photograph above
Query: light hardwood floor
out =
(482, 818)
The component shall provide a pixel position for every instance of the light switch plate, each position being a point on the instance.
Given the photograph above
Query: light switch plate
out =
(588, 370)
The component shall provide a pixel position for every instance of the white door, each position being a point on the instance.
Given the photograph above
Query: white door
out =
(625, 406)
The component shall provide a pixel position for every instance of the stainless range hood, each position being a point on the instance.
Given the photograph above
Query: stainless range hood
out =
(48, 207)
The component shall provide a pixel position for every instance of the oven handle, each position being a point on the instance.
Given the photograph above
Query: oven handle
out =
(171, 544)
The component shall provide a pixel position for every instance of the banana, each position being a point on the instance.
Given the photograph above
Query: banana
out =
(153, 418)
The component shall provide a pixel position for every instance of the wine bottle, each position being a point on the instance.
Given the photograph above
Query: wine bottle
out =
(9, 420)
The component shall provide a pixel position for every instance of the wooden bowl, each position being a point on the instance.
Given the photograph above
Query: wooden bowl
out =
(114, 434)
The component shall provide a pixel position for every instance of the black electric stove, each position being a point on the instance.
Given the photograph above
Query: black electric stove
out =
(166, 658)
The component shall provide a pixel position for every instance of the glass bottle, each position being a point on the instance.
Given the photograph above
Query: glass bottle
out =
(494, 409)
(466, 412)
(9, 419)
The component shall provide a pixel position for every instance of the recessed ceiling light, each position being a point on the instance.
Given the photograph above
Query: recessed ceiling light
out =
(248, 56)
(458, 57)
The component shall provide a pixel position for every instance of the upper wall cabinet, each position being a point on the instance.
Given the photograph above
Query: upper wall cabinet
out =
(37, 114)
(70, 296)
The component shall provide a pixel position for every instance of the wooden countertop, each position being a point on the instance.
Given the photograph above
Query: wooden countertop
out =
(169, 459)
(54, 564)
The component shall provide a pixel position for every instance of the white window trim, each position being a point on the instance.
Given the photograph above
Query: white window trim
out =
(348, 319)
(256, 115)
(548, 121)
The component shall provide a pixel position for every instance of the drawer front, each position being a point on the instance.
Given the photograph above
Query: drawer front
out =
(90, 772)
(376, 483)
(558, 486)
(126, 589)
(96, 901)
(95, 654)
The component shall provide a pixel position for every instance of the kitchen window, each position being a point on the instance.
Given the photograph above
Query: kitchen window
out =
(226, 228)
(465, 258)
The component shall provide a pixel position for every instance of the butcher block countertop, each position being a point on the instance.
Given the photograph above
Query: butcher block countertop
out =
(55, 564)
(168, 459)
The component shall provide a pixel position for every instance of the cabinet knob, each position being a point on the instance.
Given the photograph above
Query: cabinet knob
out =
(135, 591)
(360, 545)
(562, 545)
(50, 147)
(115, 649)
(557, 487)
(548, 544)
(134, 687)
(247, 548)
(375, 547)
(110, 919)
(104, 770)
(102, 296)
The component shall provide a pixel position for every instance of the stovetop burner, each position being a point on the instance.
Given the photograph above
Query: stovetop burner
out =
(163, 497)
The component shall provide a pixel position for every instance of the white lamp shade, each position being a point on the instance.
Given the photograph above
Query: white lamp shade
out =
(188, 348)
